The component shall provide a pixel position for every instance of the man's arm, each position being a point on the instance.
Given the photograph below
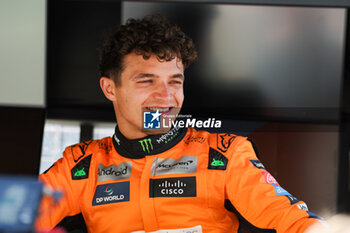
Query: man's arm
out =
(59, 178)
(256, 197)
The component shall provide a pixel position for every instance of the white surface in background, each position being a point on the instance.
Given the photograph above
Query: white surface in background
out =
(57, 136)
(60, 134)
(22, 52)
(104, 130)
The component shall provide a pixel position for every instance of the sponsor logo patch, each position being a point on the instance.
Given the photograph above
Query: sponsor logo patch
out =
(280, 191)
(167, 137)
(146, 145)
(114, 172)
(117, 140)
(111, 193)
(292, 199)
(224, 141)
(79, 150)
(269, 179)
(173, 187)
(217, 161)
(190, 139)
(81, 170)
(257, 164)
(196, 229)
(104, 146)
(303, 206)
(185, 164)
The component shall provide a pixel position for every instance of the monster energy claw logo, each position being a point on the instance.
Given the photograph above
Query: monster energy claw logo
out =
(146, 145)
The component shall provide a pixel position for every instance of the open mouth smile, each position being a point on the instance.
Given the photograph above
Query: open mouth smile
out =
(159, 109)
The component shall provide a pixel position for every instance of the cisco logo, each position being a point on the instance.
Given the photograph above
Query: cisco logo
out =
(169, 188)
(173, 187)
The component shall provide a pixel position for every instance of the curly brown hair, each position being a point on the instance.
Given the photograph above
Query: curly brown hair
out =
(153, 34)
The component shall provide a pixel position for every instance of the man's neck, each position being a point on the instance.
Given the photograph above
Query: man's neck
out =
(132, 133)
(148, 144)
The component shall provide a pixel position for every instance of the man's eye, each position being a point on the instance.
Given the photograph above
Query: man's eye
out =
(145, 81)
(176, 82)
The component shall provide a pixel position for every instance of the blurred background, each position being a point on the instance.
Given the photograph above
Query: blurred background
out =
(274, 70)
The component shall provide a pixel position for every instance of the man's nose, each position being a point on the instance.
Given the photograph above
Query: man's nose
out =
(163, 90)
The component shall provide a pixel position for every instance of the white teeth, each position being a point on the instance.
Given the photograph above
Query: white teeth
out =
(158, 109)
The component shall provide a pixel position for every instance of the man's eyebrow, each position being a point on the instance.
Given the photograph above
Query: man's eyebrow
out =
(144, 75)
(150, 75)
(179, 75)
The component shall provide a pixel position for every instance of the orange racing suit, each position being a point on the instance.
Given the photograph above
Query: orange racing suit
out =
(182, 181)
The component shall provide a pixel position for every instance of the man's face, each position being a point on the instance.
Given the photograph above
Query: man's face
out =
(148, 85)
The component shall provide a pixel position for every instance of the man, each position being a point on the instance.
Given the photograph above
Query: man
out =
(167, 180)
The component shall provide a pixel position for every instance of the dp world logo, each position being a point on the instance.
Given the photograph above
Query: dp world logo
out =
(108, 190)
(151, 120)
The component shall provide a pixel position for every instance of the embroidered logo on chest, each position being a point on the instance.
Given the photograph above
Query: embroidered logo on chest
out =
(114, 172)
(111, 193)
(173, 187)
(81, 170)
(185, 164)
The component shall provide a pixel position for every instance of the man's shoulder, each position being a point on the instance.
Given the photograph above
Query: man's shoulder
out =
(79, 151)
(221, 141)
(77, 158)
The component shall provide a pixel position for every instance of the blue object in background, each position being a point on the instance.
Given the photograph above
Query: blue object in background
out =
(19, 201)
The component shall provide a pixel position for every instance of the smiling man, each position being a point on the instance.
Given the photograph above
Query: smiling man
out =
(164, 180)
(144, 85)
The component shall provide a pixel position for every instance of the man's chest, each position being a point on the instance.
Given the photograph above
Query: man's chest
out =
(155, 192)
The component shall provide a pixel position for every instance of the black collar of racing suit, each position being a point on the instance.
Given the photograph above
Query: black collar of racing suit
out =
(149, 145)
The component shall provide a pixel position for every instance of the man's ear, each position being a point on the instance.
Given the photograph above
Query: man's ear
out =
(108, 88)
